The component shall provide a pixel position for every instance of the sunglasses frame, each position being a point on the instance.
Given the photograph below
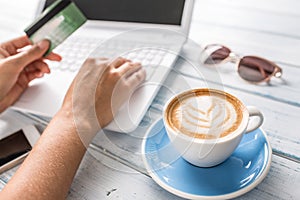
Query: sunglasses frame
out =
(236, 59)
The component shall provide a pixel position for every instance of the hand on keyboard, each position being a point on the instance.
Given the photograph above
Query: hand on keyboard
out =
(75, 51)
(97, 92)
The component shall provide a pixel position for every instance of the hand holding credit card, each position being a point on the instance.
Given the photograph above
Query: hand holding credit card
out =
(56, 23)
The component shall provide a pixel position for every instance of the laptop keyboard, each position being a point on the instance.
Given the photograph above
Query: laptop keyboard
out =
(74, 51)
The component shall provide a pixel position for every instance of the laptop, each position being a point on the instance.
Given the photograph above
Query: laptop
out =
(148, 31)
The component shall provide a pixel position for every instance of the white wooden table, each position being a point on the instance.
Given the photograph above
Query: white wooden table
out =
(113, 167)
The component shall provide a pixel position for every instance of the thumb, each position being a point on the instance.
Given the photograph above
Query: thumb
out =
(22, 59)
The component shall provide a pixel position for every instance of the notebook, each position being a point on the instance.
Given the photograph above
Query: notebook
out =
(148, 31)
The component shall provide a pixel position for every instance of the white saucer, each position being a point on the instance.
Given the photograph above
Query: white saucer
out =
(240, 173)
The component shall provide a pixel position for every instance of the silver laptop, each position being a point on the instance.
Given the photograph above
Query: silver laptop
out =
(149, 31)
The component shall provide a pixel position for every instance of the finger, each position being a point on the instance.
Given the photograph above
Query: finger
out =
(3, 53)
(100, 61)
(23, 80)
(118, 62)
(136, 78)
(32, 75)
(103, 58)
(54, 57)
(13, 45)
(24, 58)
(128, 68)
(38, 66)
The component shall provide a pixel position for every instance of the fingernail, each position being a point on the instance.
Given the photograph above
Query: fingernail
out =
(44, 44)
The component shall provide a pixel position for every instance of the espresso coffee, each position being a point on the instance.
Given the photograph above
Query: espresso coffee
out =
(205, 113)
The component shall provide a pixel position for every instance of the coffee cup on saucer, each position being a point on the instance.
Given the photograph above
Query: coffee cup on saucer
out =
(206, 125)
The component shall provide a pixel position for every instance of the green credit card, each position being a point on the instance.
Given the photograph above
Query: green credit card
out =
(56, 23)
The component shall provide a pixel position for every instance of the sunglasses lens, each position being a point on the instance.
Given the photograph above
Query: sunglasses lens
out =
(255, 69)
(214, 54)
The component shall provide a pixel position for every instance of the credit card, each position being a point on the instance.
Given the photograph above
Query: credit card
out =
(56, 23)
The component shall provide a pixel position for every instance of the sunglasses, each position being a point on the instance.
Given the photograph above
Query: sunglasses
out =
(251, 68)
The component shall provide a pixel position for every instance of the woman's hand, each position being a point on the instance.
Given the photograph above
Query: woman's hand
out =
(21, 63)
(98, 91)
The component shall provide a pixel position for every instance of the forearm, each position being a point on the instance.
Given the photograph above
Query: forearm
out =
(48, 171)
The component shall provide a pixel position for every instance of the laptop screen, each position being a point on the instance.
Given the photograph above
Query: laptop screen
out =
(141, 11)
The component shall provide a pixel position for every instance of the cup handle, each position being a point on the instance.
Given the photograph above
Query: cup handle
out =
(254, 112)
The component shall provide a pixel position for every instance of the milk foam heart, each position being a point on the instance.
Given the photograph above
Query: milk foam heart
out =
(205, 115)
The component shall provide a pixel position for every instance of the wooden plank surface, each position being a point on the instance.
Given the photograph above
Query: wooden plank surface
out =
(103, 178)
(268, 28)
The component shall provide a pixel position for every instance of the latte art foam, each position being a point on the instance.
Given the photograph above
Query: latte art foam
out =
(205, 116)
